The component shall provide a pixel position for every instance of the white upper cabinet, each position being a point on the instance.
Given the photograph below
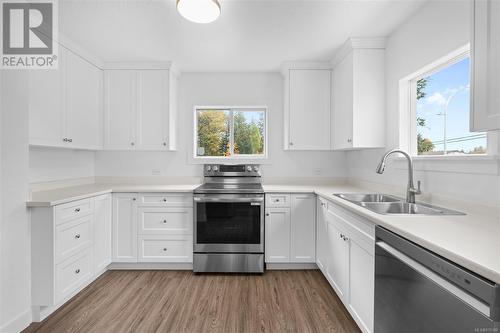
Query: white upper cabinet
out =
(83, 103)
(140, 108)
(120, 116)
(485, 54)
(358, 98)
(65, 107)
(307, 106)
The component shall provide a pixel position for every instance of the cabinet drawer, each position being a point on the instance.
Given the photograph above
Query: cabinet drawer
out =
(73, 236)
(72, 274)
(72, 210)
(154, 220)
(278, 200)
(166, 200)
(160, 248)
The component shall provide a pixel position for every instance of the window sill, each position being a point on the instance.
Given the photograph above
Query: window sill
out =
(478, 164)
(230, 160)
(442, 158)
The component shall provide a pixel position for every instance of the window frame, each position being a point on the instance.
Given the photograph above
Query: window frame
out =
(231, 109)
(408, 108)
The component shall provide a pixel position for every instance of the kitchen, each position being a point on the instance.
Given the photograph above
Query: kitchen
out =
(230, 176)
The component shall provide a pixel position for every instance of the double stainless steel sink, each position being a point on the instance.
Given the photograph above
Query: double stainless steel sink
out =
(392, 205)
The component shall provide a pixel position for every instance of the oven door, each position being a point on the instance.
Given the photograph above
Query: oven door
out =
(229, 223)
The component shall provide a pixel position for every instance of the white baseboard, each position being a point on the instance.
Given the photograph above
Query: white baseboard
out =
(18, 323)
(150, 265)
(290, 266)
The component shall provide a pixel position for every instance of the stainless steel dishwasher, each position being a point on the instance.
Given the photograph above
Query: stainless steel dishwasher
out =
(419, 291)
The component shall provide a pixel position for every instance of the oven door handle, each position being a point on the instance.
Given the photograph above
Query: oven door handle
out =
(252, 200)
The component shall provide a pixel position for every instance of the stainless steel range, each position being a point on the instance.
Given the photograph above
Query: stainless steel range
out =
(229, 220)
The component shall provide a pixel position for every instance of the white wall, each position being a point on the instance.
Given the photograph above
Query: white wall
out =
(15, 307)
(238, 89)
(439, 28)
(49, 164)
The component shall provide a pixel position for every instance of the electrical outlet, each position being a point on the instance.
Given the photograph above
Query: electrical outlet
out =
(156, 172)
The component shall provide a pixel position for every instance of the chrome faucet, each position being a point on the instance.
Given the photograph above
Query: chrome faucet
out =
(411, 191)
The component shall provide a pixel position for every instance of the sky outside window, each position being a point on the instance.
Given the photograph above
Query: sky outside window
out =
(443, 100)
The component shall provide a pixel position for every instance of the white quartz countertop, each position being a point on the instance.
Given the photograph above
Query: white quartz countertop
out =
(67, 194)
(472, 240)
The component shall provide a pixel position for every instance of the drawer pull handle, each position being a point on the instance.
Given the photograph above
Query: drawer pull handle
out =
(77, 271)
(77, 210)
(77, 236)
(164, 200)
(165, 221)
(164, 249)
(276, 200)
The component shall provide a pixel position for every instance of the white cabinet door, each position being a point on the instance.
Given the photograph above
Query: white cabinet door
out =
(321, 236)
(277, 231)
(102, 232)
(120, 109)
(343, 104)
(303, 228)
(153, 110)
(125, 227)
(309, 109)
(338, 258)
(46, 118)
(361, 284)
(485, 101)
(83, 103)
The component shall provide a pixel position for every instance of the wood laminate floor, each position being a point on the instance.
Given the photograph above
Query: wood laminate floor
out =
(180, 301)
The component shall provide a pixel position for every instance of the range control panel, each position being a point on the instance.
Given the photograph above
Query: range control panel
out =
(231, 170)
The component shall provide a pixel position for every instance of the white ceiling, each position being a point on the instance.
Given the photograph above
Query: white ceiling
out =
(253, 35)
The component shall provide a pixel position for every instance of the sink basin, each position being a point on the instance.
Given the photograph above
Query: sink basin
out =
(390, 205)
(393, 208)
(359, 197)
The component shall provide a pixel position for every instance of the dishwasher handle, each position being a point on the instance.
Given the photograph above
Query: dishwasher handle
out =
(443, 283)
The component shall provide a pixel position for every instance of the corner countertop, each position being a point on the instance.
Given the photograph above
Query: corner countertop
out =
(472, 240)
(67, 194)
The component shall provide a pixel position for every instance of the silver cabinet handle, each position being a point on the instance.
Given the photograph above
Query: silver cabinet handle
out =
(133, 199)
(77, 271)
(165, 221)
(164, 200)
(267, 214)
(77, 236)
(77, 210)
(65, 140)
(164, 143)
(164, 249)
(70, 140)
(349, 140)
(132, 144)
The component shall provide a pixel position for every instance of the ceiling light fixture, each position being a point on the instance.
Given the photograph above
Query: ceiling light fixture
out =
(199, 11)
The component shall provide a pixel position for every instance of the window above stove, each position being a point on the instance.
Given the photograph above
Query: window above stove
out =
(230, 133)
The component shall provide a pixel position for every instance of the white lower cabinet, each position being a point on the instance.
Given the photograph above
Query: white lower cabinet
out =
(102, 232)
(346, 256)
(277, 231)
(337, 258)
(70, 247)
(153, 227)
(165, 248)
(125, 227)
(290, 228)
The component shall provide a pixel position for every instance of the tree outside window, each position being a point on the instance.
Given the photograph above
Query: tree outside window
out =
(231, 132)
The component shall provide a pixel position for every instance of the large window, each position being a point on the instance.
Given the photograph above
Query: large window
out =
(230, 132)
(441, 111)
